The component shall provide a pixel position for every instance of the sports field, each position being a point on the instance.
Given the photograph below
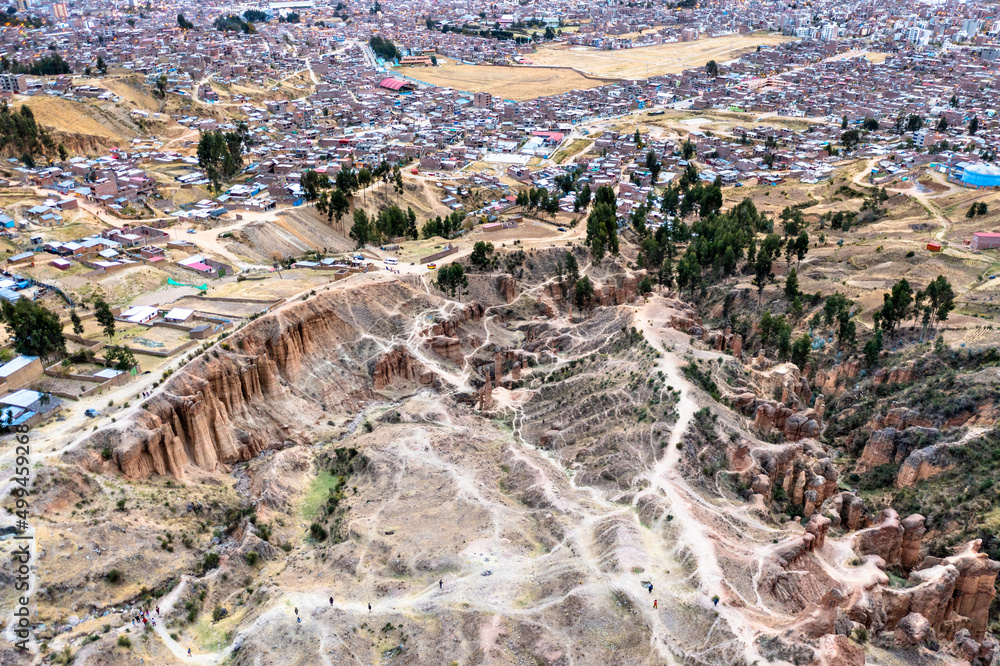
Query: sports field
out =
(553, 74)
(639, 63)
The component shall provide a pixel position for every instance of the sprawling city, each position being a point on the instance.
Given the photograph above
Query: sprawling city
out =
(439, 332)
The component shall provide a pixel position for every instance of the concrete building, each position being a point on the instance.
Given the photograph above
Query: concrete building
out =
(13, 84)
(20, 372)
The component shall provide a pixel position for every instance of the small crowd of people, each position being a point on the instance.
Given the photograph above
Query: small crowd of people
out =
(145, 617)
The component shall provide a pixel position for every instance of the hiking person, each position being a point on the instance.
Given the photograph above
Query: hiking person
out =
(441, 584)
(369, 608)
(189, 652)
(650, 588)
(296, 611)
(331, 601)
(654, 604)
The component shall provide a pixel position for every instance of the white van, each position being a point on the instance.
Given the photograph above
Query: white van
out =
(391, 261)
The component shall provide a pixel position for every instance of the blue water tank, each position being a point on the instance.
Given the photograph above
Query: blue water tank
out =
(981, 175)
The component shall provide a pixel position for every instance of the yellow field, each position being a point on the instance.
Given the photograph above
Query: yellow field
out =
(653, 60)
(68, 116)
(514, 83)
(132, 91)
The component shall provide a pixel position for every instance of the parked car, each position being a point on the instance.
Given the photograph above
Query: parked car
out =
(92, 413)
(561, 229)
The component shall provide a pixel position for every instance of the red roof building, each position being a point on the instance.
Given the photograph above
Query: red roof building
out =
(985, 241)
(395, 84)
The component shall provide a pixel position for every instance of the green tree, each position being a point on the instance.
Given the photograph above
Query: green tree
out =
(895, 306)
(687, 149)
(688, 272)
(941, 296)
(784, 346)
(77, 322)
(339, 205)
(653, 165)
(638, 220)
(63, 153)
(711, 201)
(712, 68)
(583, 293)
(311, 183)
(119, 357)
(974, 125)
(873, 348)
(942, 124)
(361, 229)
(602, 227)
(850, 139)
(572, 268)
(220, 155)
(452, 280)
(668, 203)
(482, 255)
(792, 284)
(104, 316)
(102, 67)
(34, 329)
(800, 351)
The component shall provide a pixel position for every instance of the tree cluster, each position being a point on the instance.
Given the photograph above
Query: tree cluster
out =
(34, 329)
(384, 48)
(48, 65)
(221, 155)
(20, 132)
(977, 208)
(233, 23)
(602, 224)
(538, 199)
(452, 280)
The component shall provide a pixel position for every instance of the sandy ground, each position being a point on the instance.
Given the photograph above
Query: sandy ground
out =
(652, 60)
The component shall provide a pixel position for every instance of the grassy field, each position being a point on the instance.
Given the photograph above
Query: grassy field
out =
(513, 83)
(574, 148)
(317, 494)
(653, 60)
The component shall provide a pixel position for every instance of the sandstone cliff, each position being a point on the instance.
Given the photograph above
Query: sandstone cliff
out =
(331, 351)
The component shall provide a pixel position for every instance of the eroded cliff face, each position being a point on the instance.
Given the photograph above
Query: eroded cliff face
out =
(331, 351)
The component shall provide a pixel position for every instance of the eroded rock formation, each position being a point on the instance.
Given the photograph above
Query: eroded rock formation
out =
(233, 402)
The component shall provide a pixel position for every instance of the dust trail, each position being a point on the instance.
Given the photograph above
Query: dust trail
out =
(666, 479)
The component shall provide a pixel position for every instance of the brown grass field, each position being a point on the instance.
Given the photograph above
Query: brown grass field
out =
(69, 116)
(524, 83)
(653, 60)
(513, 83)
